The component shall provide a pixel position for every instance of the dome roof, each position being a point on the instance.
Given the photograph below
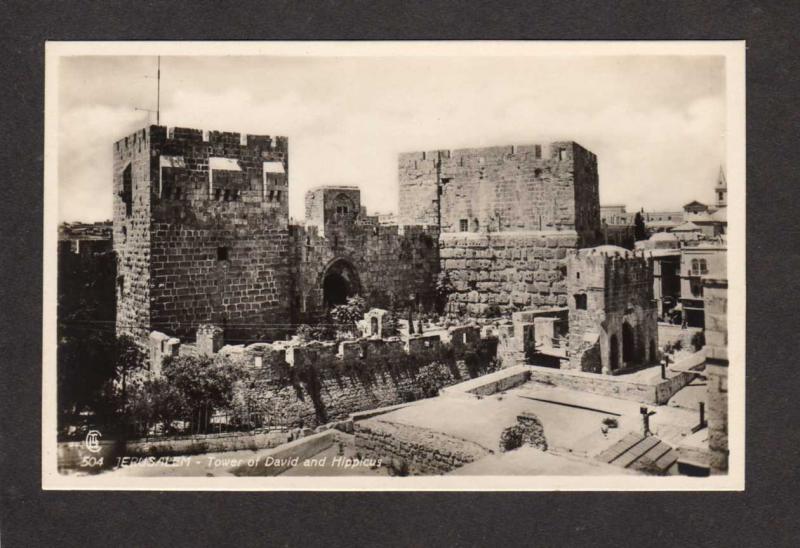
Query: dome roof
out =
(663, 237)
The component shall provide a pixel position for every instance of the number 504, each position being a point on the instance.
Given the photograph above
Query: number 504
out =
(92, 461)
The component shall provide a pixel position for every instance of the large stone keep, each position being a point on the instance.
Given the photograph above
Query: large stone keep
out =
(201, 231)
(507, 215)
(612, 313)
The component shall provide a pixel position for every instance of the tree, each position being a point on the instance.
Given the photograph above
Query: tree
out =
(154, 401)
(390, 326)
(444, 287)
(639, 229)
(321, 332)
(201, 385)
(128, 359)
(86, 339)
(347, 315)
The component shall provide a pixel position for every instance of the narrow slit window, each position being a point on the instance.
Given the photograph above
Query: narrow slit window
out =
(222, 253)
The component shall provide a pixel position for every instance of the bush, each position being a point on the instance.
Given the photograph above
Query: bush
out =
(316, 332)
(698, 340)
(346, 315)
(511, 438)
(432, 378)
(390, 325)
(611, 422)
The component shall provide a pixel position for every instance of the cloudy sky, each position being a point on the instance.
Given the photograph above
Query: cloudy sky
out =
(656, 123)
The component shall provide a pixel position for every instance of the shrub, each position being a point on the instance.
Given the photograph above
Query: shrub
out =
(511, 438)
(316, 332)
(346, 315)
(698, 340)
(611, 422)
(390, 326)
(432, 378)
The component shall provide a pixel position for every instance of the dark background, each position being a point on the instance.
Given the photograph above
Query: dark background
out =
(765, 515)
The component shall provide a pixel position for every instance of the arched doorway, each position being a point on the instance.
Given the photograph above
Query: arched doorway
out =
(653, 354)
(613, 353)
(339, 281)
(628, 345)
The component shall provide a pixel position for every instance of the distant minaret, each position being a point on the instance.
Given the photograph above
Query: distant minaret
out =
(722, 189)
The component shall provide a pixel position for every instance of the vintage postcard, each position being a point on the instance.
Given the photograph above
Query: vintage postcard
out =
(394, 266)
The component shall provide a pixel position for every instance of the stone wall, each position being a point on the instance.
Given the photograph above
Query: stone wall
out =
(422, 450)
(657, 393)
(388, 264)
(131, 232)
(502, 189)
(321, 382)
(294, 383)
(506, 272)
(715, 296)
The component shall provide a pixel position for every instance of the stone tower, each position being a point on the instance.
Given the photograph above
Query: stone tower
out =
(507, 217)
(201, 232)
(612, 313)
(721, 190)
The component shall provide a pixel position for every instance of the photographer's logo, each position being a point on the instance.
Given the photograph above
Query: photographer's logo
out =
(93, 441)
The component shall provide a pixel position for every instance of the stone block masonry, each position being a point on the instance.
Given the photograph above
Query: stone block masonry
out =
(715, 296)
(507, 217)
(201, 231)
(385, 264)
(612, 314)
(505, 272)
(502, 189)
(421, 450)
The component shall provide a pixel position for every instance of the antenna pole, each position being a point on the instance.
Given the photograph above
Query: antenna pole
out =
(158, 93)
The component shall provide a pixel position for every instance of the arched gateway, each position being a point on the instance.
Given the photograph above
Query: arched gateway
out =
(339, 281)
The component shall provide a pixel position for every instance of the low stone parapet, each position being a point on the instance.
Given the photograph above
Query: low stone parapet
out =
(656, 392)
(492, 383)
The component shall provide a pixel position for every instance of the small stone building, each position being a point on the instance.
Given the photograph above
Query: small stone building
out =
(612, 313)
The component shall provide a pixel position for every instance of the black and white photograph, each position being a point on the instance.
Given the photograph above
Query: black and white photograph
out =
(394, 266)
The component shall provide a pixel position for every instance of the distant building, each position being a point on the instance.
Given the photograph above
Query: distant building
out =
(687, 232)
(694, 208)
(615, 215)
(616, 221)
(386, 218)
(707, 259)
(712, 224)
(85, 238)
(721, 189)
